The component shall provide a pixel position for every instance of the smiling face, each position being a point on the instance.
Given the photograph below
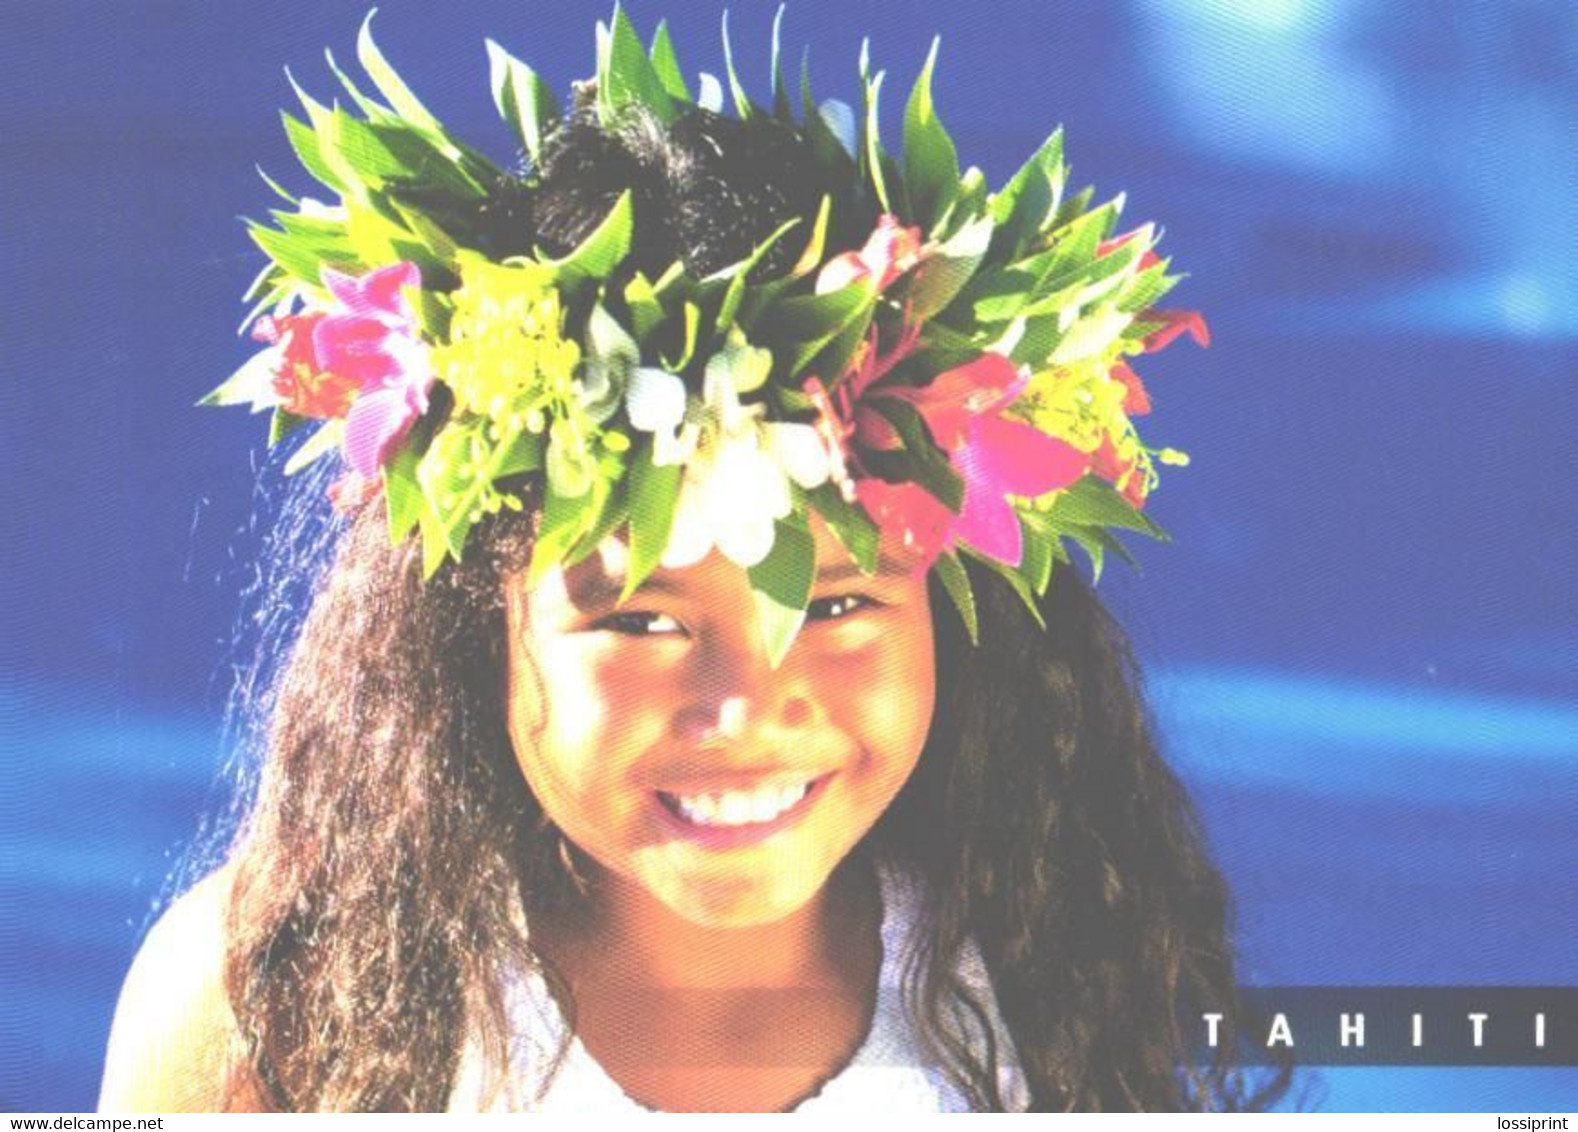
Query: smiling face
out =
(659, 739)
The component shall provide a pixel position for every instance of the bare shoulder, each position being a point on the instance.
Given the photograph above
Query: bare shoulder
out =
(171, 1044)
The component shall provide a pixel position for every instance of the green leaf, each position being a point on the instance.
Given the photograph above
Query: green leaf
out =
(929, 464)
(369, 107)
(608, 512)
(871, 151)
(282, 424)
(931, 163)
(950, 571)
(1021, 207)
(603, 248)
(523, 99)
(564, 519)
(300, 257)
(390, 84)
(824, 144)
(273, 184)
(692, 329)
(304, 140)
(780, 90)
(435, 543)
(1015, 581)
(642, 303)
(252, 384)
(943, 273)
(403, 496)
(806, 325)
(1040, 547)
(742, 104)
(654, 496)
(781, 585)
(434, 238)
(318, 444)
(1146, 287)
(1093, 502)
(849, 523)
(665, 63)
(626, 75)
(738, 275)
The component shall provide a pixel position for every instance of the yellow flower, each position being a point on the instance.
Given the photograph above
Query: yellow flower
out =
(507, 358)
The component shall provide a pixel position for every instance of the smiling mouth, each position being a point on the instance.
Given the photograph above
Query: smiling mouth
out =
(731, 809)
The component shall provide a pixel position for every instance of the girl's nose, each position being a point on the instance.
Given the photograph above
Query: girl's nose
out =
(734, 691)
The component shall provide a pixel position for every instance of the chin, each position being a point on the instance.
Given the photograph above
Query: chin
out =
(719, 896)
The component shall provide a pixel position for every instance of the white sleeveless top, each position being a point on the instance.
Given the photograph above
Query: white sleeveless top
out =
(888, 1073)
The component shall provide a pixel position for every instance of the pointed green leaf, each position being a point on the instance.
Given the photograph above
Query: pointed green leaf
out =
(627, 75)
(304, 140)
(564, 519)
(742, 104)
(871, 150)
(823, 142)
(390, 84)
(780, 90)
(849, 523)
(252, 384)
(928, 465)
(282, 424)
(654, 496)
(739, 275)
(944, 272)
(435, 546)
(950, 571)
(1021, 207)
(1093, 502)
(931, 163)
(781, 585)
(603, 249)
(318, 444)
(403, 492)
(523, 99)
(273, 184)
(642, 302)
(666, 64)
(1015, 581)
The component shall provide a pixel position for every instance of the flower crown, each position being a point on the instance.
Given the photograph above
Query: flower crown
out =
(958, 384)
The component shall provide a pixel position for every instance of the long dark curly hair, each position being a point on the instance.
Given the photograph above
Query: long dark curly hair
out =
(384, 831)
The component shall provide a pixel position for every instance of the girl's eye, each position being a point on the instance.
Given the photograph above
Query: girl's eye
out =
(639, 624)
(837, 608)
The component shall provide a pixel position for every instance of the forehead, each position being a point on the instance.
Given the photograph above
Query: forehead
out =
(601, 576)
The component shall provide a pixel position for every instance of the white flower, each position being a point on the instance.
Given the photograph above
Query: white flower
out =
(737, 465)
(656, 403)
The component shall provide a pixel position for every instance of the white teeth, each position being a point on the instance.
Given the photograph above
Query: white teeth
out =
(735, 808)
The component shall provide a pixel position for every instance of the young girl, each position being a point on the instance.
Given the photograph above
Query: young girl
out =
(689, 702)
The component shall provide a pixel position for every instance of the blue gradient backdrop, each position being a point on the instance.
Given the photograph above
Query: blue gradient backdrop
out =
(1363, 643)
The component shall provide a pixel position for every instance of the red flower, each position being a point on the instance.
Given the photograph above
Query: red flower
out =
(305, 386)
(995, 456)
(1136, 402)
(1175, 323)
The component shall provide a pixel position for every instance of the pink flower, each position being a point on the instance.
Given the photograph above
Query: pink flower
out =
(890, 251)
(996, 457)
(360, 361)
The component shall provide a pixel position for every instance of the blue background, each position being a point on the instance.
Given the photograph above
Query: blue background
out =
(1363, 643)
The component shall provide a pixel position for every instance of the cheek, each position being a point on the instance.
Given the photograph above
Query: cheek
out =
(578, 720)
(884, 692)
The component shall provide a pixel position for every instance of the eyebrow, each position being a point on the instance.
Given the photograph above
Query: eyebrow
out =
(600, 588)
